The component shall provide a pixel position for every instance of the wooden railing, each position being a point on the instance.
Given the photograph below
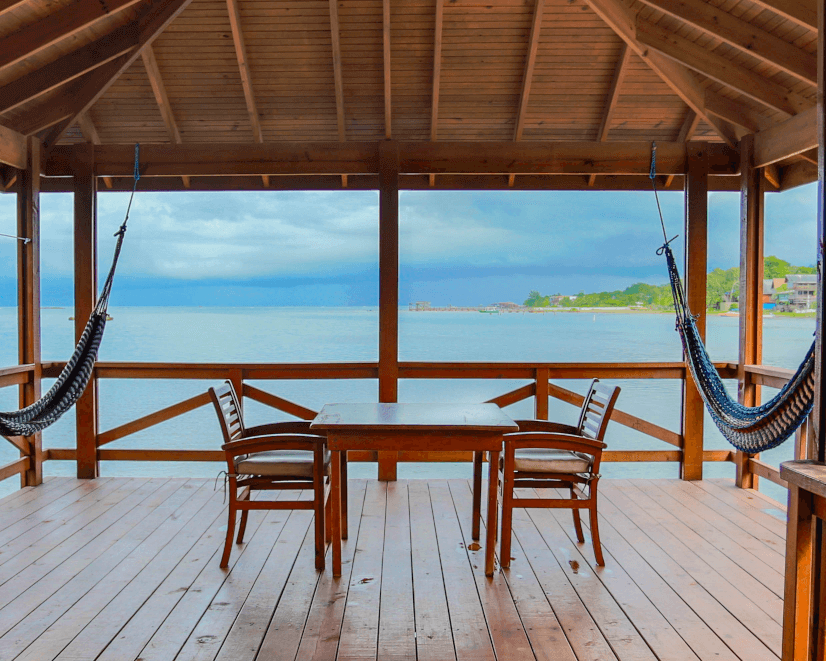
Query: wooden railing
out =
(540, 386)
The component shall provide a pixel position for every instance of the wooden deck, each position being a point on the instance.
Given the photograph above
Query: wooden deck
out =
(118, 569)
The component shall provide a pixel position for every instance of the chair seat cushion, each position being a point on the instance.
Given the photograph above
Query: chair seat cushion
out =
(280, 463)
(543, 460)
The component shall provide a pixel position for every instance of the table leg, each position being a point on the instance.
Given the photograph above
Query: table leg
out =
(493, 512)
(477, 495)
(335, 494)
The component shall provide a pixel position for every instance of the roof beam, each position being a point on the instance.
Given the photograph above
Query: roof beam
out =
(743, 36)
(690, 124)
(680, 79)
(388, 119)
(338, 76)
(359, 158)
(719, 68)
(437, 75)
(50, 29)
(798, 11)
(736, 113)
(159, 90)
(790, 138)
(157, 17)
(611, 100)
(90, 133)
(6, 5)
(13, 148)
(527, 77)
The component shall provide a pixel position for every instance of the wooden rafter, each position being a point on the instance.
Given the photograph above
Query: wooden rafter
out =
(388, 65)
(690, 124)
(679, 78)
(527, 76)
(719, 68)
(12, 148)
(611, 100)
(338, 77)
(244, 70)
(742, 35)
(159, 90)
(795, 136)
(437, 76)
(90, 133)
(6, 5)
(62, 24)
(150, 25)
(802, 12)
(736, 113)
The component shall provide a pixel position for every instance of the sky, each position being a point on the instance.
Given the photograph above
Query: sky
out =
(456, 248)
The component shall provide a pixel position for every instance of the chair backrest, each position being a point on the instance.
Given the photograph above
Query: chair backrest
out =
(596, 410)
(228, 410)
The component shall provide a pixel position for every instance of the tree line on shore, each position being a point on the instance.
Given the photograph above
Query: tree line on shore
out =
(721, 285)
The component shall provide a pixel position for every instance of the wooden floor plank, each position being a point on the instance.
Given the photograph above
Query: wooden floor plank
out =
(434, 640)
(27, 494)
(397, 623)
(760, 508)
(703, 622)
(360, 626)
(34, 505)
(702, 562)
(471, 637)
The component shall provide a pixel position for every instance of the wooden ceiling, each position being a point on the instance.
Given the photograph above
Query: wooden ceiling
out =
(295, 71)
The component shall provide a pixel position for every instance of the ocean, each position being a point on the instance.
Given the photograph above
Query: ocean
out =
(346, 334)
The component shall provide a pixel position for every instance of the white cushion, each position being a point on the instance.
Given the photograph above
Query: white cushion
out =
(542, 460)
(279, 463)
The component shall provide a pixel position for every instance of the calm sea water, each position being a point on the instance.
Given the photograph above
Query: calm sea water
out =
(295, 335)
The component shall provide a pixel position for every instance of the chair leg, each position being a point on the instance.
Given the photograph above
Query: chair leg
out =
(595, 531)
(477, 495)
(577, 522)
(319, 507)
(328, 520)
(507, 512)
(230, 532)
(343, 464)
(242, 527)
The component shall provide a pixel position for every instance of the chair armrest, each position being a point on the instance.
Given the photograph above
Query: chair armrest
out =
(252, 444)
(546, 426)
(554, 441)
(285, 427)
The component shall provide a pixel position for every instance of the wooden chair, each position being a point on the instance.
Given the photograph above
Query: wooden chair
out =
(545, 454)
(280, 455)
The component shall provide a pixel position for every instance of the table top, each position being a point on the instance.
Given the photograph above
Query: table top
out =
(422, 417)
(808, 474)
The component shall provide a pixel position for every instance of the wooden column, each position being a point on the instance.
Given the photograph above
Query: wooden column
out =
(696, 265)
(542, 393)
(85, 256)
(751, 291)
(388, 288)
(28, 296)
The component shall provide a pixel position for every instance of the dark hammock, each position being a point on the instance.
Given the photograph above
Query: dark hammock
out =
(75, 376)
(749, 429)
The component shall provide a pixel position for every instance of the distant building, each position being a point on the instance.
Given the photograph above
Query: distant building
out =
(419, 305)
(507, 305)
(794, 292)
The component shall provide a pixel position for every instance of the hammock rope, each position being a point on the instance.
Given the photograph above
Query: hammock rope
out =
(75, 376)
(749, 429)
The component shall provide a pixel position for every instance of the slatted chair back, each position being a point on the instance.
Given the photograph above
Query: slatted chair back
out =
(229, 411)
(596, 410)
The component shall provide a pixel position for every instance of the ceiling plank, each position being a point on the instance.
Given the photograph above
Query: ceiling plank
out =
(527, 76)
(722, 70)
(437, 76)
(90, 133)
(159, 90)
(338, 77)
(69, 67)
(743, 36)
(12, 148)
(798, 11)
(388, 102)
(61, 24)
(159, 15)
(792, 137)
(680, 79)
(611, 100)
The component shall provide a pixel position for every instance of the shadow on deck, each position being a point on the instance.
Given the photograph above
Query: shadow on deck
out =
(118, 569)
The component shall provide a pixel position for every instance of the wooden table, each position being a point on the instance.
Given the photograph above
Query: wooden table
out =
(807, 502)
(421, 427)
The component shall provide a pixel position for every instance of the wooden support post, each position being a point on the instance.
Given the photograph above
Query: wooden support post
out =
(388, 288)
(696, 261)
(28, 296)
(751, 291)
(85, 255)
(542, 393)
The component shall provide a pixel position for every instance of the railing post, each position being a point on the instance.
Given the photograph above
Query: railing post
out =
(85, 256)
(28, 297)
(751, 292)
(542, 393)
(388, 288)
(696, 262)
